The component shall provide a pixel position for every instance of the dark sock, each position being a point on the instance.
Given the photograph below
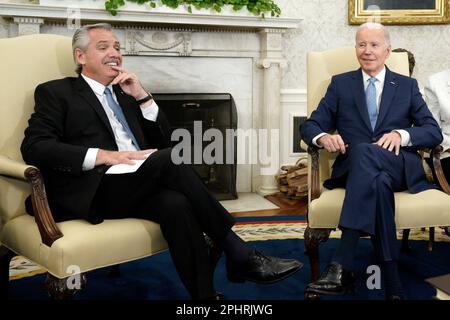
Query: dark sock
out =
(236, 249)
(345, 252)
(392, 283)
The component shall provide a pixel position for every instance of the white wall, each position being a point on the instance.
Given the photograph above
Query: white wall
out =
(325, 27)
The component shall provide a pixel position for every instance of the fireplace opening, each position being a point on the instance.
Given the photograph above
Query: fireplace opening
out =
(197, 113)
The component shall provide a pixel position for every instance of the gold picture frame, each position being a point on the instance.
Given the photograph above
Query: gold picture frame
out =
(395, 12)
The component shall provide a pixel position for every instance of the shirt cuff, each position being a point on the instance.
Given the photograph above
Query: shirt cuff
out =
(314, 140)
(406, 138)
(89, 159)
(151, 112)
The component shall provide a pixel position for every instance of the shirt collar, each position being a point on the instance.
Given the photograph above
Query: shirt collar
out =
(380, 76)
(96, 86)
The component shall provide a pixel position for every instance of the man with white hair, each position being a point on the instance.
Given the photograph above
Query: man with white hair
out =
(376, 120)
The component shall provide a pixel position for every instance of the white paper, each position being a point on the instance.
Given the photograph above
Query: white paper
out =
(127, 168)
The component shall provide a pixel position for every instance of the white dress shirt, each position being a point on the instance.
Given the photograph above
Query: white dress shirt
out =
(379, 85)
(124, 142)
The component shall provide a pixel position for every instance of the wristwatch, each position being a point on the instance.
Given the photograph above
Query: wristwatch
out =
(147, 98)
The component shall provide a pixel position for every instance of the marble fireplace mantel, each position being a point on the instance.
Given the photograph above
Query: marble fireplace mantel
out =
(162, 17)
(165, 34)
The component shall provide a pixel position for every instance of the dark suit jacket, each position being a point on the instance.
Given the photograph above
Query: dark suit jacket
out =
(69, 119)
(344, 109)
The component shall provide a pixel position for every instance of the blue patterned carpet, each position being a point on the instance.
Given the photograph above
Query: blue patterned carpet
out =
(155, 278)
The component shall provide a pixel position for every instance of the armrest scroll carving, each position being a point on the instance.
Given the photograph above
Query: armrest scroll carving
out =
(315, 182)
(46, 224)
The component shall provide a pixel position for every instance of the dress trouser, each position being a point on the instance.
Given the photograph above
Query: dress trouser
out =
(175, 197)
(374, 175)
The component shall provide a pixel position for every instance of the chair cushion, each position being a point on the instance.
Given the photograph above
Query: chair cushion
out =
(83, 244)
(430, 208)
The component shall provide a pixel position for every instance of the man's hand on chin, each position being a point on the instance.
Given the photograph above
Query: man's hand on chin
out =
(129, 82)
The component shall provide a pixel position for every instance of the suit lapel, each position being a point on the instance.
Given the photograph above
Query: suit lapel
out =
(389, 88)
(86, 92)
(360, 97)
(125, 103)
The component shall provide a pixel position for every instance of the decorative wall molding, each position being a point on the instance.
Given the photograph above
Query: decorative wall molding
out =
(157, 42)
(28, 20)
(295, 98)
(293, 104)
(267, 63)
(160, 18)
(28, 25)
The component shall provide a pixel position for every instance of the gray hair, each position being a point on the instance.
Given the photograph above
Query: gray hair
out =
(80, 39)
(376, 25)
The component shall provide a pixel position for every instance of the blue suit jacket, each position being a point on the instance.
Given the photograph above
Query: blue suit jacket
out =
(344, 109)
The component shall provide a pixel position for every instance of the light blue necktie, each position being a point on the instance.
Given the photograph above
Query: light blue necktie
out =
(120, 116)
(371, 101)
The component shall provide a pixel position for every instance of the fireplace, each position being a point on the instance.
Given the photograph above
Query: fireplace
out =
(193, 115)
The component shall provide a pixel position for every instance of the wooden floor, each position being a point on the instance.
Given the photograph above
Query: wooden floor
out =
(287, 207)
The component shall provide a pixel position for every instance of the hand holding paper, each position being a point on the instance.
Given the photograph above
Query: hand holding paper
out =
(122, 161)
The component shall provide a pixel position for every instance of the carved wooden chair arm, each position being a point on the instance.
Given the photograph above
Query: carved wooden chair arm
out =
(439, 173)
(48, 229)
(313, 151)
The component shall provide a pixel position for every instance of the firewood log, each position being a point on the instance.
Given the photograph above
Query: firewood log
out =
(298, 181)
(293, 179)
(298, 172)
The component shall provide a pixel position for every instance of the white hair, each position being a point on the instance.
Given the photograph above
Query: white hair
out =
(376, 25)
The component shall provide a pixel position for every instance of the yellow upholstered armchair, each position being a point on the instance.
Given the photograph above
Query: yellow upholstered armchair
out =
(430, 208)
(27, 61)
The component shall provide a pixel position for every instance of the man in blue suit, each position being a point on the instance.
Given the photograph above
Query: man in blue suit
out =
(376, 120)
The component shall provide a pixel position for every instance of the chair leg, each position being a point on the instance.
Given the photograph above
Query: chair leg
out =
(405, 240)
(313, 238)
(5, 258)
(431, 239)
(64, 289)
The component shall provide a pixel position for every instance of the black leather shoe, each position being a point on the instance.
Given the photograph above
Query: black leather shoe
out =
(262, 269)
(334, 280)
